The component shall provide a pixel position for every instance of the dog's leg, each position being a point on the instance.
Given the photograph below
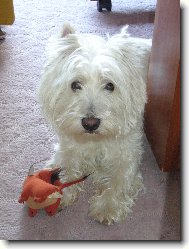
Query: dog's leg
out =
(56, 159)
(70, 172)
(114, 199)
(70, 194)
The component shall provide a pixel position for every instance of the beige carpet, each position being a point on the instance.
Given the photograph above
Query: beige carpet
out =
(25, 137)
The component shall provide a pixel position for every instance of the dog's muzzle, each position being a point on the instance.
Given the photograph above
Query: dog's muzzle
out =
(90, 124)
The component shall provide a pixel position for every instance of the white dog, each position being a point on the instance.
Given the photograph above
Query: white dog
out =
(93, 93)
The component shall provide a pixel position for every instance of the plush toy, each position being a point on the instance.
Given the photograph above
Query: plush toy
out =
(43, 189)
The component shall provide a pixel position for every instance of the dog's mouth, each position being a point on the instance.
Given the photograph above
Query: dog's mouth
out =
(91, 132)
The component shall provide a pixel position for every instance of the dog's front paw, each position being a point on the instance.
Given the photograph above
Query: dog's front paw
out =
(108, 210)
(70, 195)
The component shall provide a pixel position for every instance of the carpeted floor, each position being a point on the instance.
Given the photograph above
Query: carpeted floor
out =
(26, 139)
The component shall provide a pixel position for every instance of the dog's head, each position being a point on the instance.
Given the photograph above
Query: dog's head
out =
(92, 87)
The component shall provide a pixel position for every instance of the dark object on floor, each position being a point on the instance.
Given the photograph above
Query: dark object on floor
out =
(2, 34)
(103, 4)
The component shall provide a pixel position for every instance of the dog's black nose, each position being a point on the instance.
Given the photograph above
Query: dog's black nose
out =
(90, 124)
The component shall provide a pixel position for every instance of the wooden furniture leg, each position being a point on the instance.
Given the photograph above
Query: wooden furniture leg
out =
(162, 113)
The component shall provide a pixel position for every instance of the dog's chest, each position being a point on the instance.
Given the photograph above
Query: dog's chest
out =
(87, 157)
(91, 154)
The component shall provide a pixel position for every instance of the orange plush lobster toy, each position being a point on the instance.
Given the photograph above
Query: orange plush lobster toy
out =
(43, 189)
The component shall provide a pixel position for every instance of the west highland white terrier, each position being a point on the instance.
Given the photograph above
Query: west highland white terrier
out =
(93, 93)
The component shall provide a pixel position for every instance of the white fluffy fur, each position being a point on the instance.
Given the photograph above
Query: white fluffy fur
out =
(114, 151)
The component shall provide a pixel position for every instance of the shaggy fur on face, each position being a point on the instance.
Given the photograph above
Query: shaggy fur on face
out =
(93, 93)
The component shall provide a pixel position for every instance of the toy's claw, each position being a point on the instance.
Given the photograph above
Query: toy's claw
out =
(21, 199)
(32, 212)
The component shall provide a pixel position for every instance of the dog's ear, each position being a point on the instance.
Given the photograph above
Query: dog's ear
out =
(132, 54)
(66, 30)
(61, 45)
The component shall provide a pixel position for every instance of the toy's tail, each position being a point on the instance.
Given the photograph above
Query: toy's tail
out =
(67, 184)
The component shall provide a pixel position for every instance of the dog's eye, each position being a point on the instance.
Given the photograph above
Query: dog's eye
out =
(76, 85)
(109, 87)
